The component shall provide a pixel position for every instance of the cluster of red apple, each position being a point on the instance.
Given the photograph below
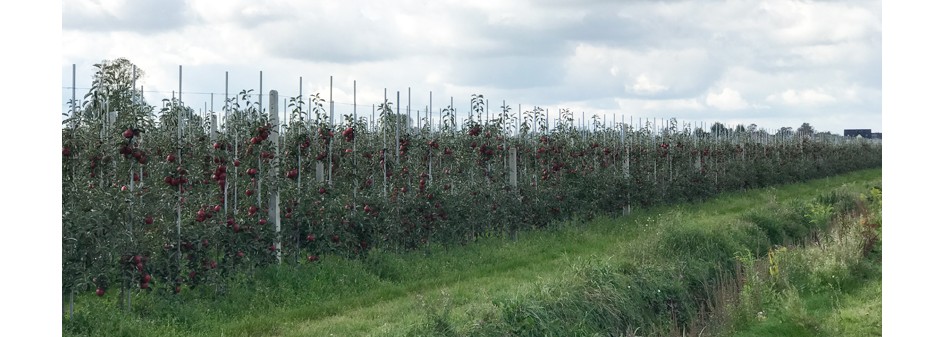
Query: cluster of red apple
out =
(348, 134)
(130, 149)
(475, 130)
(262, 133)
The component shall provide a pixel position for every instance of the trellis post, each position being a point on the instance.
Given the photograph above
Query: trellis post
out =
(274, 216)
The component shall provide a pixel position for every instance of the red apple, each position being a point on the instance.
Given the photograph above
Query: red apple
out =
(128, 133)
(100, 292)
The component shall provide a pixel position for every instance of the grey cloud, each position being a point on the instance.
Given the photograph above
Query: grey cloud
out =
(690, 48)
(509, 72)
(342, 38)
(255, 16)
(145, 16)
(600, 25)
(340, 49)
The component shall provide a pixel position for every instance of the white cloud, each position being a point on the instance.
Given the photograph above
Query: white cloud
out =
(645, 86)
(698, 59)
(123, 15)
(797, 22)
(807, 97)
(727, 99)
(656, 73)
(673, 105)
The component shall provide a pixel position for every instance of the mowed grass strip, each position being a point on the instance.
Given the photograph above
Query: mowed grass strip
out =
(462, 288)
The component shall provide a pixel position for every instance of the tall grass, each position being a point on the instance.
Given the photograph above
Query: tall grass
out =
(654, 272)
(665, 283)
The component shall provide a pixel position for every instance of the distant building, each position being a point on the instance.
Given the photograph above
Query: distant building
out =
(877, 135)
(865, 133)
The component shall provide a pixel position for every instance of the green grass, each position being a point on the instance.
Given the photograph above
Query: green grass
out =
(829, 289)
(493, 286)
(851, 310)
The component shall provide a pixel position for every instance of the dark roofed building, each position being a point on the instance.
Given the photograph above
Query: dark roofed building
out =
(865, 133)
(877, 135)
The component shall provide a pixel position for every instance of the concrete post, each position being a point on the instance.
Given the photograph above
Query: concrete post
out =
(513, 167)
(274, 216)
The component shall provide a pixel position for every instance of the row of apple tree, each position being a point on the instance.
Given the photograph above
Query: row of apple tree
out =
(173, 200)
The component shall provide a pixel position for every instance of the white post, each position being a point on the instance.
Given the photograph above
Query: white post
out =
(354, 145)
(331, 120)
(213, 127)
(74, 104)
(397, 131)
(180, 194)
(274, 210)
(260, 92)
(226, 132)
(407, 115)
(513, 167)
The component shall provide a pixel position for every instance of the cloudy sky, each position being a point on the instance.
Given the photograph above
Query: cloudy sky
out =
(773, 63)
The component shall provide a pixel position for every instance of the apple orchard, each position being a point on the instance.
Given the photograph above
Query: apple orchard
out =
(159, 199)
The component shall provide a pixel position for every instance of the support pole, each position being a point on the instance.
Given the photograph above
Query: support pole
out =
(274, 210)
(397, 131)
(73, 91)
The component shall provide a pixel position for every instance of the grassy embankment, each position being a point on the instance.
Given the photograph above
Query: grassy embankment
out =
(651, 272)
